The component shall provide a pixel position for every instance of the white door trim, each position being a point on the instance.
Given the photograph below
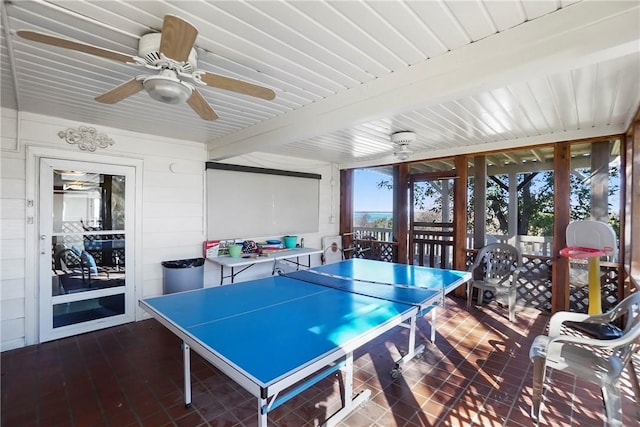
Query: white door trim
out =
(47, 301)
(33, 155)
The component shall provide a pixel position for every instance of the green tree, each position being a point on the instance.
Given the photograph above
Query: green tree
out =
(535, 201)
(497, 207)
(363, 221)
(382, 223)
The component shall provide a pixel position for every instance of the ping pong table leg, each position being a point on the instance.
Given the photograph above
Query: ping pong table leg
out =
(433, 324)
(348, 380)
(262, 412)
(187, 374)
(412, 350)
(412, 335)
(350, 402)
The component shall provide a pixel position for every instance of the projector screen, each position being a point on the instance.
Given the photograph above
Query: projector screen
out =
(246, 202)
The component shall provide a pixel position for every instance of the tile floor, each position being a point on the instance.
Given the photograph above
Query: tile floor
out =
(476, 374)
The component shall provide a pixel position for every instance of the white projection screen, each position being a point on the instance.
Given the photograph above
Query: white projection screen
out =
(246, 202)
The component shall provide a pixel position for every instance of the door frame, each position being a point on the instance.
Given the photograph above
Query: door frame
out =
(426, 177)
(47, 301)
(32, 245)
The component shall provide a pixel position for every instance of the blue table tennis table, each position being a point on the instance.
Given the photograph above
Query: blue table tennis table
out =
(278, 336)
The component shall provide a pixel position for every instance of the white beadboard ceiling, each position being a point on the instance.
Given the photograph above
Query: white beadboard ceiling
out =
(463, 75)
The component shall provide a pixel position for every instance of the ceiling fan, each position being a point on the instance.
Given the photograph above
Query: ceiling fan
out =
(171, 54)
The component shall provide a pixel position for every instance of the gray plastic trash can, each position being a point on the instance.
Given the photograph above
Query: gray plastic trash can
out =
(182, 275)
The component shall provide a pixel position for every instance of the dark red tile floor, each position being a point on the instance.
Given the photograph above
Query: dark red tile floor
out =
(477, 373)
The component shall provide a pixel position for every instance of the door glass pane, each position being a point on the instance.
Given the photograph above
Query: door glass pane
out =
(86, 263)
(70, 313)
(85, 202)
(86, 251)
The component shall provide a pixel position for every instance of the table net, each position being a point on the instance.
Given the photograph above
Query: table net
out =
(396, 292)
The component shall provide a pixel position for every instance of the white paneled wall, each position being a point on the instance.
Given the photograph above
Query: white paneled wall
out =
(171, 222)
(12, 234)
(173, 212)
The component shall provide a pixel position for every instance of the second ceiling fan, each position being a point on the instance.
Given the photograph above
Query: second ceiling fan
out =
(171, 54)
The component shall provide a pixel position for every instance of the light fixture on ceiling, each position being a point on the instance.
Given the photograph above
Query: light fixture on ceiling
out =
(166, 87)
(68, 173)
(402, 141)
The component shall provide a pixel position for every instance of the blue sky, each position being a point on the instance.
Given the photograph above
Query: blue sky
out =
(367, 196)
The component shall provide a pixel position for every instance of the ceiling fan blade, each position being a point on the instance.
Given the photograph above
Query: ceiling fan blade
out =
(73, 45)
(226, 83)
(177, 38)
(119, 93)
(201, 106)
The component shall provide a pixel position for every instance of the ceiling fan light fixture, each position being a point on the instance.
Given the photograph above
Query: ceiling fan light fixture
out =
(403, 152)
(167, 88)
(402, 140)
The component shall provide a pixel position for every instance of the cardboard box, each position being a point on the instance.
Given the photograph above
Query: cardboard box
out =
(211, 248)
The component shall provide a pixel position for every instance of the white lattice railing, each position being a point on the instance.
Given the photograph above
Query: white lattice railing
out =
(528, 245)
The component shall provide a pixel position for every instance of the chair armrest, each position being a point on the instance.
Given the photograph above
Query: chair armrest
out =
(554, 344)
(556, 321)
(516, 273)
(563, 316)
(475, 265)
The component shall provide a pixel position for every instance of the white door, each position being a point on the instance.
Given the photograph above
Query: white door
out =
(86, 236)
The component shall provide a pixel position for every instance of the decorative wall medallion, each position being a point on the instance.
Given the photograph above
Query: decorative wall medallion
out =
(87, 138)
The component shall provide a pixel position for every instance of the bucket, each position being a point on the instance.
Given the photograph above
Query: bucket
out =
(290, 241)
(235, 251)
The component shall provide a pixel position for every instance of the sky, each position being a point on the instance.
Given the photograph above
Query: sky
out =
(367, 196)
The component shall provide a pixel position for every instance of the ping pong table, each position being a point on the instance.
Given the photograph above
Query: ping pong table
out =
(278, 336)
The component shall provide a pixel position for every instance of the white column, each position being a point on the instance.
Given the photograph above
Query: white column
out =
(600, 181)
(513, 209)
(446, 207)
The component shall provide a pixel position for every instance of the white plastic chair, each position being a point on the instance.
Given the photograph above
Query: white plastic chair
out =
(600, 361)
(496, 269)
(281, 267)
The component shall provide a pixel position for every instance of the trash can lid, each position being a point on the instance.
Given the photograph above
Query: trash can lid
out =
(183, 263)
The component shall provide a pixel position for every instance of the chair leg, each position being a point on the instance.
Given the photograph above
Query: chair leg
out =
(512, 306)
(469, 293)
(634, 380)
(538, 382)
(612, 406)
